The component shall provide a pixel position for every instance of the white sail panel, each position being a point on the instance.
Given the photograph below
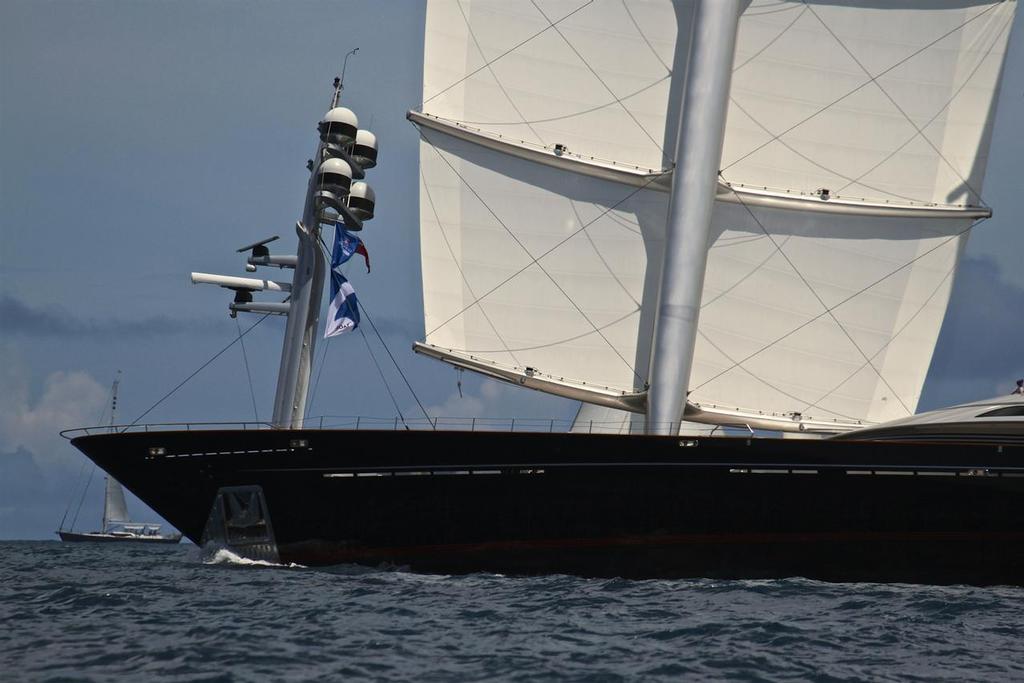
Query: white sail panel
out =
(115, 510)
(890, 101)
(530, 267)
(598, 83)
(828, 315)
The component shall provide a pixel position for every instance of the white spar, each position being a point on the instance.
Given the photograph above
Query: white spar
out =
(232, 282)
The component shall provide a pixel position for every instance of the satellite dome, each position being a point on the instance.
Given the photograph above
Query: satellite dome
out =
(364, 152)
(334, 175)
(361, 200)
(339, 125)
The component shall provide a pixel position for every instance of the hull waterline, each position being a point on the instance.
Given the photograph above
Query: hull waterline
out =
(98, 537)
(592, 505)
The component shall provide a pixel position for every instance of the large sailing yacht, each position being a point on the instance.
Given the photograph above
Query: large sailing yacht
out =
(746, 216)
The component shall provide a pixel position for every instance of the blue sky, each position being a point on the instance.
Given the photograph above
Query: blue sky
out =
(143, 140)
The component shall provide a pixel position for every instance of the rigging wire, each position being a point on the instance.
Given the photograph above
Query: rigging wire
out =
(369, 319)
(71, 499)
(319, 372)
(81, 471)
(197, 371)
(405, 379)
(248, 374)
(81, 501)
(380, 371)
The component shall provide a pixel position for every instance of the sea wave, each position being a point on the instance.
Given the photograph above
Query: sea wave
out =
(216, 555)
(114, 613)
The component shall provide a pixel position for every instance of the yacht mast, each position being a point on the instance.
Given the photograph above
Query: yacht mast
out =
(698, 153)
(106, 477)
(343, 152)
(304, 311)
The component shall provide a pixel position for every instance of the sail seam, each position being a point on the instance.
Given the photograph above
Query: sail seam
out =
(785, 6)
(469, 29)
(763, 381)
(647, 183)
(573, 114)
(555, 343)
(840, 303)
(600, 256)
(755, 269)
(923, 306)
(771, 42)
(859, 87)
(850, 180)
(605, 85)
(506, 52)
(815, 294)
(462, 273)
(534, 261)
(874, 80)
(643, 36)
(944, 107)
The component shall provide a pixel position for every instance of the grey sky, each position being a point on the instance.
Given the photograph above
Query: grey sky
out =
(142, 140)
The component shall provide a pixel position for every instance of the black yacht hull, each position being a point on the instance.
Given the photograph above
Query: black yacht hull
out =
(598, 505)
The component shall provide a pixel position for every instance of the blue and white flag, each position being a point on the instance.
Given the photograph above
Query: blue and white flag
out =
(346, 244)
(343, 313)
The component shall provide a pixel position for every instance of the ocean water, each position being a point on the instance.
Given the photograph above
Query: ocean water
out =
(127, 613)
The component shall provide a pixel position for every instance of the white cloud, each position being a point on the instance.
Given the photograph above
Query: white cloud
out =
(67, 399)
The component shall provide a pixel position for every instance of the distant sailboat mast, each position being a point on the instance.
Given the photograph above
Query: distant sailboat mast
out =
(115, 509)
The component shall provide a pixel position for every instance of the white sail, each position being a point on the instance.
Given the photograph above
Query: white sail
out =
(115, 510)
(547, 129)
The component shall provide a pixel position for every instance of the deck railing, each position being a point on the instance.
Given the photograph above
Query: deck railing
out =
(470, 424)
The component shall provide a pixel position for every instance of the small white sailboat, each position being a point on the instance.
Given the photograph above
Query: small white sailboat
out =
(116, 524)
